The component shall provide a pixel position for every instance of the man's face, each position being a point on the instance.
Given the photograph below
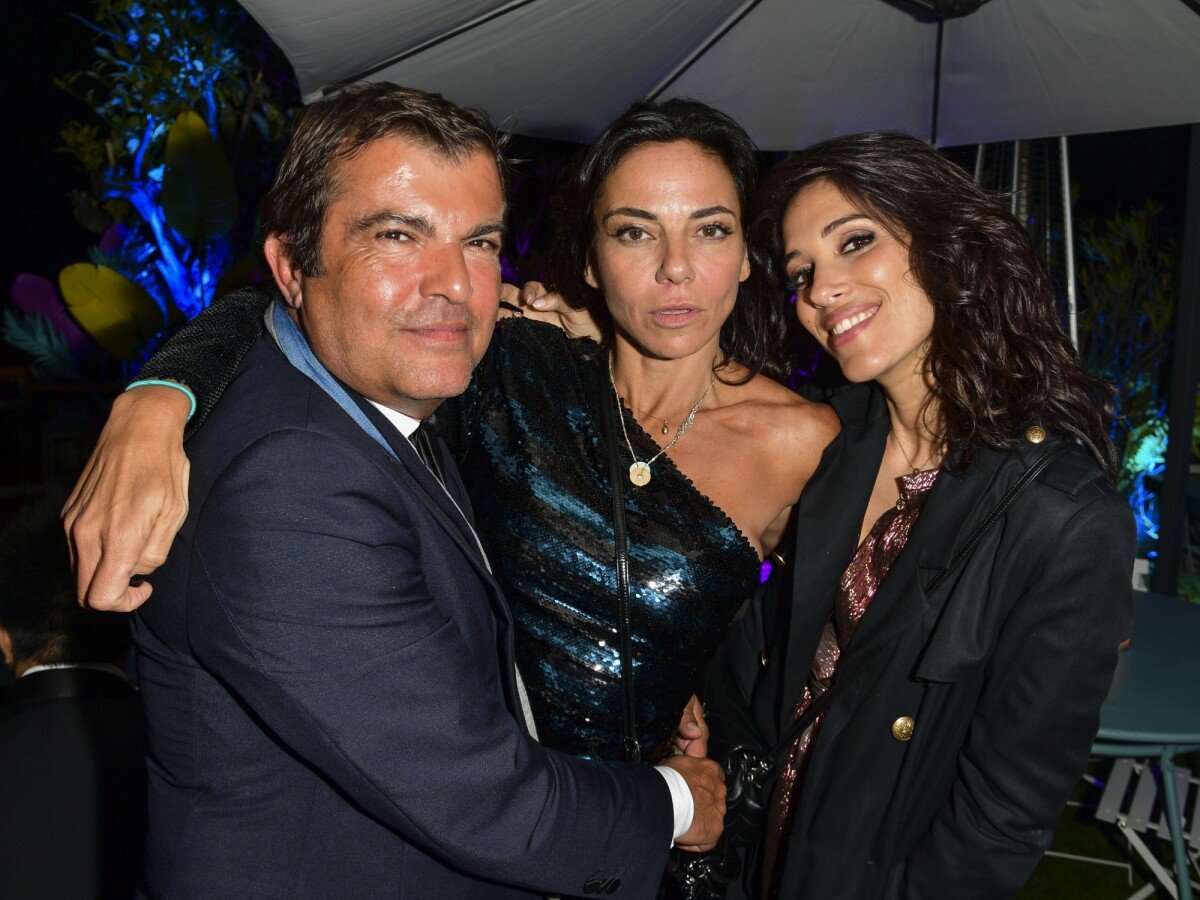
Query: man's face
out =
(410, 249)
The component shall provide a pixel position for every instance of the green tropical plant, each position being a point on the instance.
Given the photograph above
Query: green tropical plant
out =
(45, 344)
(1128, 278)
(189, 105)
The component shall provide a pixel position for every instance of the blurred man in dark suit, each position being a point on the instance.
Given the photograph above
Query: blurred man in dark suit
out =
(72, 778)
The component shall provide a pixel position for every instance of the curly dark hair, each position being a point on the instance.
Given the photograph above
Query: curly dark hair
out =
(998, 358)
(755, 334)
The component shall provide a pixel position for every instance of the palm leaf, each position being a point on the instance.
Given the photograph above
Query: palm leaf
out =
(36, 335)
(199, 198)
(114, 310)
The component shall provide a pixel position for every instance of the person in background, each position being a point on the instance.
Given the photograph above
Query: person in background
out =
(72, 779)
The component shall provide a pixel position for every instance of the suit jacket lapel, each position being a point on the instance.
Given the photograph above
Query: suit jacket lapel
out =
(828, 523)
(451, 517)
(955, 505)
(828, 520)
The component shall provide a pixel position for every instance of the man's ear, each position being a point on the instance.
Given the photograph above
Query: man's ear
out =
(287, 275)
(6, 647)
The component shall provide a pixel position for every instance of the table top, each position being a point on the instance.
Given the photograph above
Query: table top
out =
(1155, 696)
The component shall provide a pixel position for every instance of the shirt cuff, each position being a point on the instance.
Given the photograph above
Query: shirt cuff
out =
(681, 801)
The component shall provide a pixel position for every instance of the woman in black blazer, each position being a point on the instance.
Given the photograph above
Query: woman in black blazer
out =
(941, 769)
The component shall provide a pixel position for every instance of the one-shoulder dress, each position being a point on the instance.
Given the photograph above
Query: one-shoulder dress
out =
(529, 443)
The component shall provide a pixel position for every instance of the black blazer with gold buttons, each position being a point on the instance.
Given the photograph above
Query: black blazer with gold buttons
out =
(940, 771)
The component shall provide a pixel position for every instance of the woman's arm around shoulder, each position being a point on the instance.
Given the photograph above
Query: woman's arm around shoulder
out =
(132, 496)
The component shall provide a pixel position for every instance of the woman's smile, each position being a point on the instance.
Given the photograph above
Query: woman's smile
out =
(847, 323)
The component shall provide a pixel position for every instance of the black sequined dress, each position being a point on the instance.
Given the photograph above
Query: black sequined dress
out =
(528, 438)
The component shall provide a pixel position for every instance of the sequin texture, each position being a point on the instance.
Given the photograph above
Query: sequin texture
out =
(527, 435)
(859, 582)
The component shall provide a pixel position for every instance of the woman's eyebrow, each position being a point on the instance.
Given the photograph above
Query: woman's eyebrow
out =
(630, 211)
(711, 211)
(837, 223)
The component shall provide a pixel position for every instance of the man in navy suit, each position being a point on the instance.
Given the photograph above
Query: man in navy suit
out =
(328, 668)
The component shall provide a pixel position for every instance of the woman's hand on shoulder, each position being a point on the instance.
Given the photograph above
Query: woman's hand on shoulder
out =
(130, 500)
(533, 301)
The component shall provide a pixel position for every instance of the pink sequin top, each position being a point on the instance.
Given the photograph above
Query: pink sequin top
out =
(858, 584)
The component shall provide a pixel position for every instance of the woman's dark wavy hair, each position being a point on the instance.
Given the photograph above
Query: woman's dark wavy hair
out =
(755, 334)
(998, 359)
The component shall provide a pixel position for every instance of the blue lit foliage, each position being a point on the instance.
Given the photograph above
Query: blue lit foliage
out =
(1128, 277)
(163, 193)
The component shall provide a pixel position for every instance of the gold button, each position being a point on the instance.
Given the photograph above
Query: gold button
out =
(764, 659)
(902, 728)
(1035, 434)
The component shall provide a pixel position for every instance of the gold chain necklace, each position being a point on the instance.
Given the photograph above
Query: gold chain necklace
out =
(915, 470)
(639, 472)
(903, 501)
(666, 423)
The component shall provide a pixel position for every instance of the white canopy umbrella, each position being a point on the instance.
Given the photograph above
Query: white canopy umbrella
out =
(794, 72)
(791, 71)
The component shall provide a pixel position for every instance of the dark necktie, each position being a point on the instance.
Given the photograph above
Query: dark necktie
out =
(423, 441)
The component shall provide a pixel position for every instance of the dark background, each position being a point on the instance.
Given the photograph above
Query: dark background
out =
(42, 41)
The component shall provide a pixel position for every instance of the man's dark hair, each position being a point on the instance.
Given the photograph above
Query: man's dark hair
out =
(756, 330)
(339, 127)
(37, 595)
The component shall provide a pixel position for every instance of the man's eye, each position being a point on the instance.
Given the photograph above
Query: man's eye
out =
(395, 236)
(715, 230)
(488, 244)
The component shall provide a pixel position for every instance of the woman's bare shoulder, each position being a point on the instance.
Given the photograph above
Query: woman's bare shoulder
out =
(795, 430)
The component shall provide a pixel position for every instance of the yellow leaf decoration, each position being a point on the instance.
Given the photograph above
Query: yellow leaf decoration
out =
(199, 198)
(117, 312)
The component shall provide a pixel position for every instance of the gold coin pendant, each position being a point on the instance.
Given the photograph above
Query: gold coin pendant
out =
(639, 474)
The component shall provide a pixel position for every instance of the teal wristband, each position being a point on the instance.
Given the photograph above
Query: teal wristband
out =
(158, 382)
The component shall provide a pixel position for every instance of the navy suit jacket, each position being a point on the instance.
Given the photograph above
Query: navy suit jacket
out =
(327, 673)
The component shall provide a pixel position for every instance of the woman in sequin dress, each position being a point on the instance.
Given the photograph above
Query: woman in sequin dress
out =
(650, 240)
(940, 768)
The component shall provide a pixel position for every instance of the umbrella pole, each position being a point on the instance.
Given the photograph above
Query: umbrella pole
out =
(1016, 176)
(1069, 242)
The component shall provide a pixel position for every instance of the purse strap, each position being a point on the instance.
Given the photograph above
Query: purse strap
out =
(843, 678)
(633, 752)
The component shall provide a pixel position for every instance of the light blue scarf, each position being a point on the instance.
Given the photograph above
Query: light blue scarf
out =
(295, 347)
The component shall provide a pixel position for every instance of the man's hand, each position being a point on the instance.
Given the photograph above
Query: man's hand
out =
(706, 781)
(131, 499)
(533, 301)
(692, 735)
